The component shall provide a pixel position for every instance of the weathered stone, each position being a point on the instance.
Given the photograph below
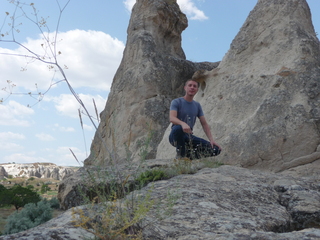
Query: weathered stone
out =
(262, 102)
(229, 202)
(61, 227)
(46, 174)
(3, 173)
(55, 174)
(152, 72)
(224, 203)
(79, 187)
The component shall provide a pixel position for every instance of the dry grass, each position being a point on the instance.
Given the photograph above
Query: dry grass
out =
(4, 214)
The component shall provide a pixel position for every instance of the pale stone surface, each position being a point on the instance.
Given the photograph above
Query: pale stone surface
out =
(152, 72)
(262, 101)
(223, 203)
(39, 170)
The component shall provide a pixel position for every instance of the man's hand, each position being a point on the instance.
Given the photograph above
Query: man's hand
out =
(186, 128)
(213, 143)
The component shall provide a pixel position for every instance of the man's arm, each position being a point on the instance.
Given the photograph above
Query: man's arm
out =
(176, 121)
(206, 129)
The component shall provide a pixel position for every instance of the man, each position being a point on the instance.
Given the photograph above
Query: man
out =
(183, 114)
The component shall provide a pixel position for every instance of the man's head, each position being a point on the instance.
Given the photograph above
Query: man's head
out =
(190, 80)
(191, 87)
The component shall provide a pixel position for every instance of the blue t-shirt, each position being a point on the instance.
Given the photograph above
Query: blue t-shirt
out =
(186, 111)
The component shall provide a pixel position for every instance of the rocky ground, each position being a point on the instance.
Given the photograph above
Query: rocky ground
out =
(223, 203)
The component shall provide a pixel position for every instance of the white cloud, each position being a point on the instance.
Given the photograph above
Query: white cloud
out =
(9, 146)
(11, 135)
(6, 139)
(92, 58)
(129, 4)
(63, 129)
(67, 105)
(45, 137)
(88, 127)
(66, 157)
(187, 6)
(24, 158)
(14, 114)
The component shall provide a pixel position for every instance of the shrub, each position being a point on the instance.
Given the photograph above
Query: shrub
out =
(31, 187)
(2, 188)
(151, 176)
(45, 188)
(54, 203)
(30, 216)
(18, 196)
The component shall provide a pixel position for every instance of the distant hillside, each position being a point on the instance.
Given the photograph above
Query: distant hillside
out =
(39, 170)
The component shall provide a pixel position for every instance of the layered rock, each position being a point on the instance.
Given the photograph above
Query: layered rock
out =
(224, 203)
(39, 170)
(152, 72)
(263, 100)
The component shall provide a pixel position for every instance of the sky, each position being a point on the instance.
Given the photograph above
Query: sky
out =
(39, 117)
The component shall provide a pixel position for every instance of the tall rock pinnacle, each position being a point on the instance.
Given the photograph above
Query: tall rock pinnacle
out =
(263, 100)
(151, 74)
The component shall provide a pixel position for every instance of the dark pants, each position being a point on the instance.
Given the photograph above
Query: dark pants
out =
(188, 145)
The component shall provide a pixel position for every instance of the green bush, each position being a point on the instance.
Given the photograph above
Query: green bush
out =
(18, 196)
(2, 188)
(54, 203)
(151, 176)
(45, 188)
(30, 216)
(31, 187)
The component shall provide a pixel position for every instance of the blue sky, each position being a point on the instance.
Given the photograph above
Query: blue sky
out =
(92, 36)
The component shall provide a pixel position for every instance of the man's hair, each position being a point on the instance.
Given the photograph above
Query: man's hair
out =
(189, 80)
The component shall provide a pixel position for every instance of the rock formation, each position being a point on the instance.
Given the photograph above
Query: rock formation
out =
(263, 105)
(46, 173)
(39, 170)
(3, 173)
(152, 72)
(263, 100)
(224, 203)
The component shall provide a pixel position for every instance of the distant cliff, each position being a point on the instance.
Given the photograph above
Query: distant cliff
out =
(39, 170)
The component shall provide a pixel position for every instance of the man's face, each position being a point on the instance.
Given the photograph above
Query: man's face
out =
(191, 88)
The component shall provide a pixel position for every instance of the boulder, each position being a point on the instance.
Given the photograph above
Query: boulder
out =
(223, 203)
(262, 101)
(152, 72)
(83, 185)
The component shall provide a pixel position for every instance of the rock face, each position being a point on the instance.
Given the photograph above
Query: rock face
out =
(152, 73)
(224, 203)
(39, 170)
(3, 173)
(263, 100)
